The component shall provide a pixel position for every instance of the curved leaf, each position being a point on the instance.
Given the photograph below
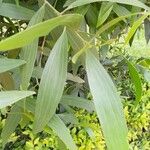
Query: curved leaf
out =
(134, 28)
(29, 52)
(15, 12)
(78, 102)
(136, 80)
(107, 104)
(52, 83)
(27, 36)
(63, 133)
(137, 3)
(105, 11)
(11, 123)
(8, 64)
(9, 97)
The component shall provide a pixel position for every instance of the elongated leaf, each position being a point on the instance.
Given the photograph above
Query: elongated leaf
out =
(73, 78)
(107, 104)
(120, 10)
(68, 118)
(8, 64)
(27, 36)
(128, 2)
(147, 29)
(105, 10)
(115, 21)
(11, 123)
(91, 16)
(134, 28)
(52, 83)
(100, 31)
(51, 12)
(63, 133)
(10, 97)
(68, 2)
(136, 81)
(76, 42)
(29, 52)
(15, 12)
(78, 102)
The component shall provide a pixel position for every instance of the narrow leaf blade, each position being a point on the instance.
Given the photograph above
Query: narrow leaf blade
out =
(15, 12)
(105, 11)
(136, 81)
(27, 36)
(52, 83)
(9, 97)
(107, 104)
(134, 28)
(63, 133)
(78, 102)
(11, 123)
(28, 53)
(8, 64)
(128, 2)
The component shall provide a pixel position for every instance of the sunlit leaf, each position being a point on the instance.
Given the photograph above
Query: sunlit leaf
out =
(27, 36)
(134, 28)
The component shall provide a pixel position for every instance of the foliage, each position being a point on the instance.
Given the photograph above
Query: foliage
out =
(73, 53)
(137, 119)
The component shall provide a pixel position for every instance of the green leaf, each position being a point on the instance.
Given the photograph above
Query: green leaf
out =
(76, 42)
(115, 21)
(29, 52)
(100, 31)
(68, 118)
(52, 83)
(105, 11)
(11, 123)
(51, 12)
(68, 2)
(134, 28)
(9, 97)
(137, 3)
(74, 78)
(15, 12)
(63, 133)
(78, 102)
(147, 29)
(27, 36)
(8, 64)
(136, 80)
(91, 16)
(120, 10)
(107, 104)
